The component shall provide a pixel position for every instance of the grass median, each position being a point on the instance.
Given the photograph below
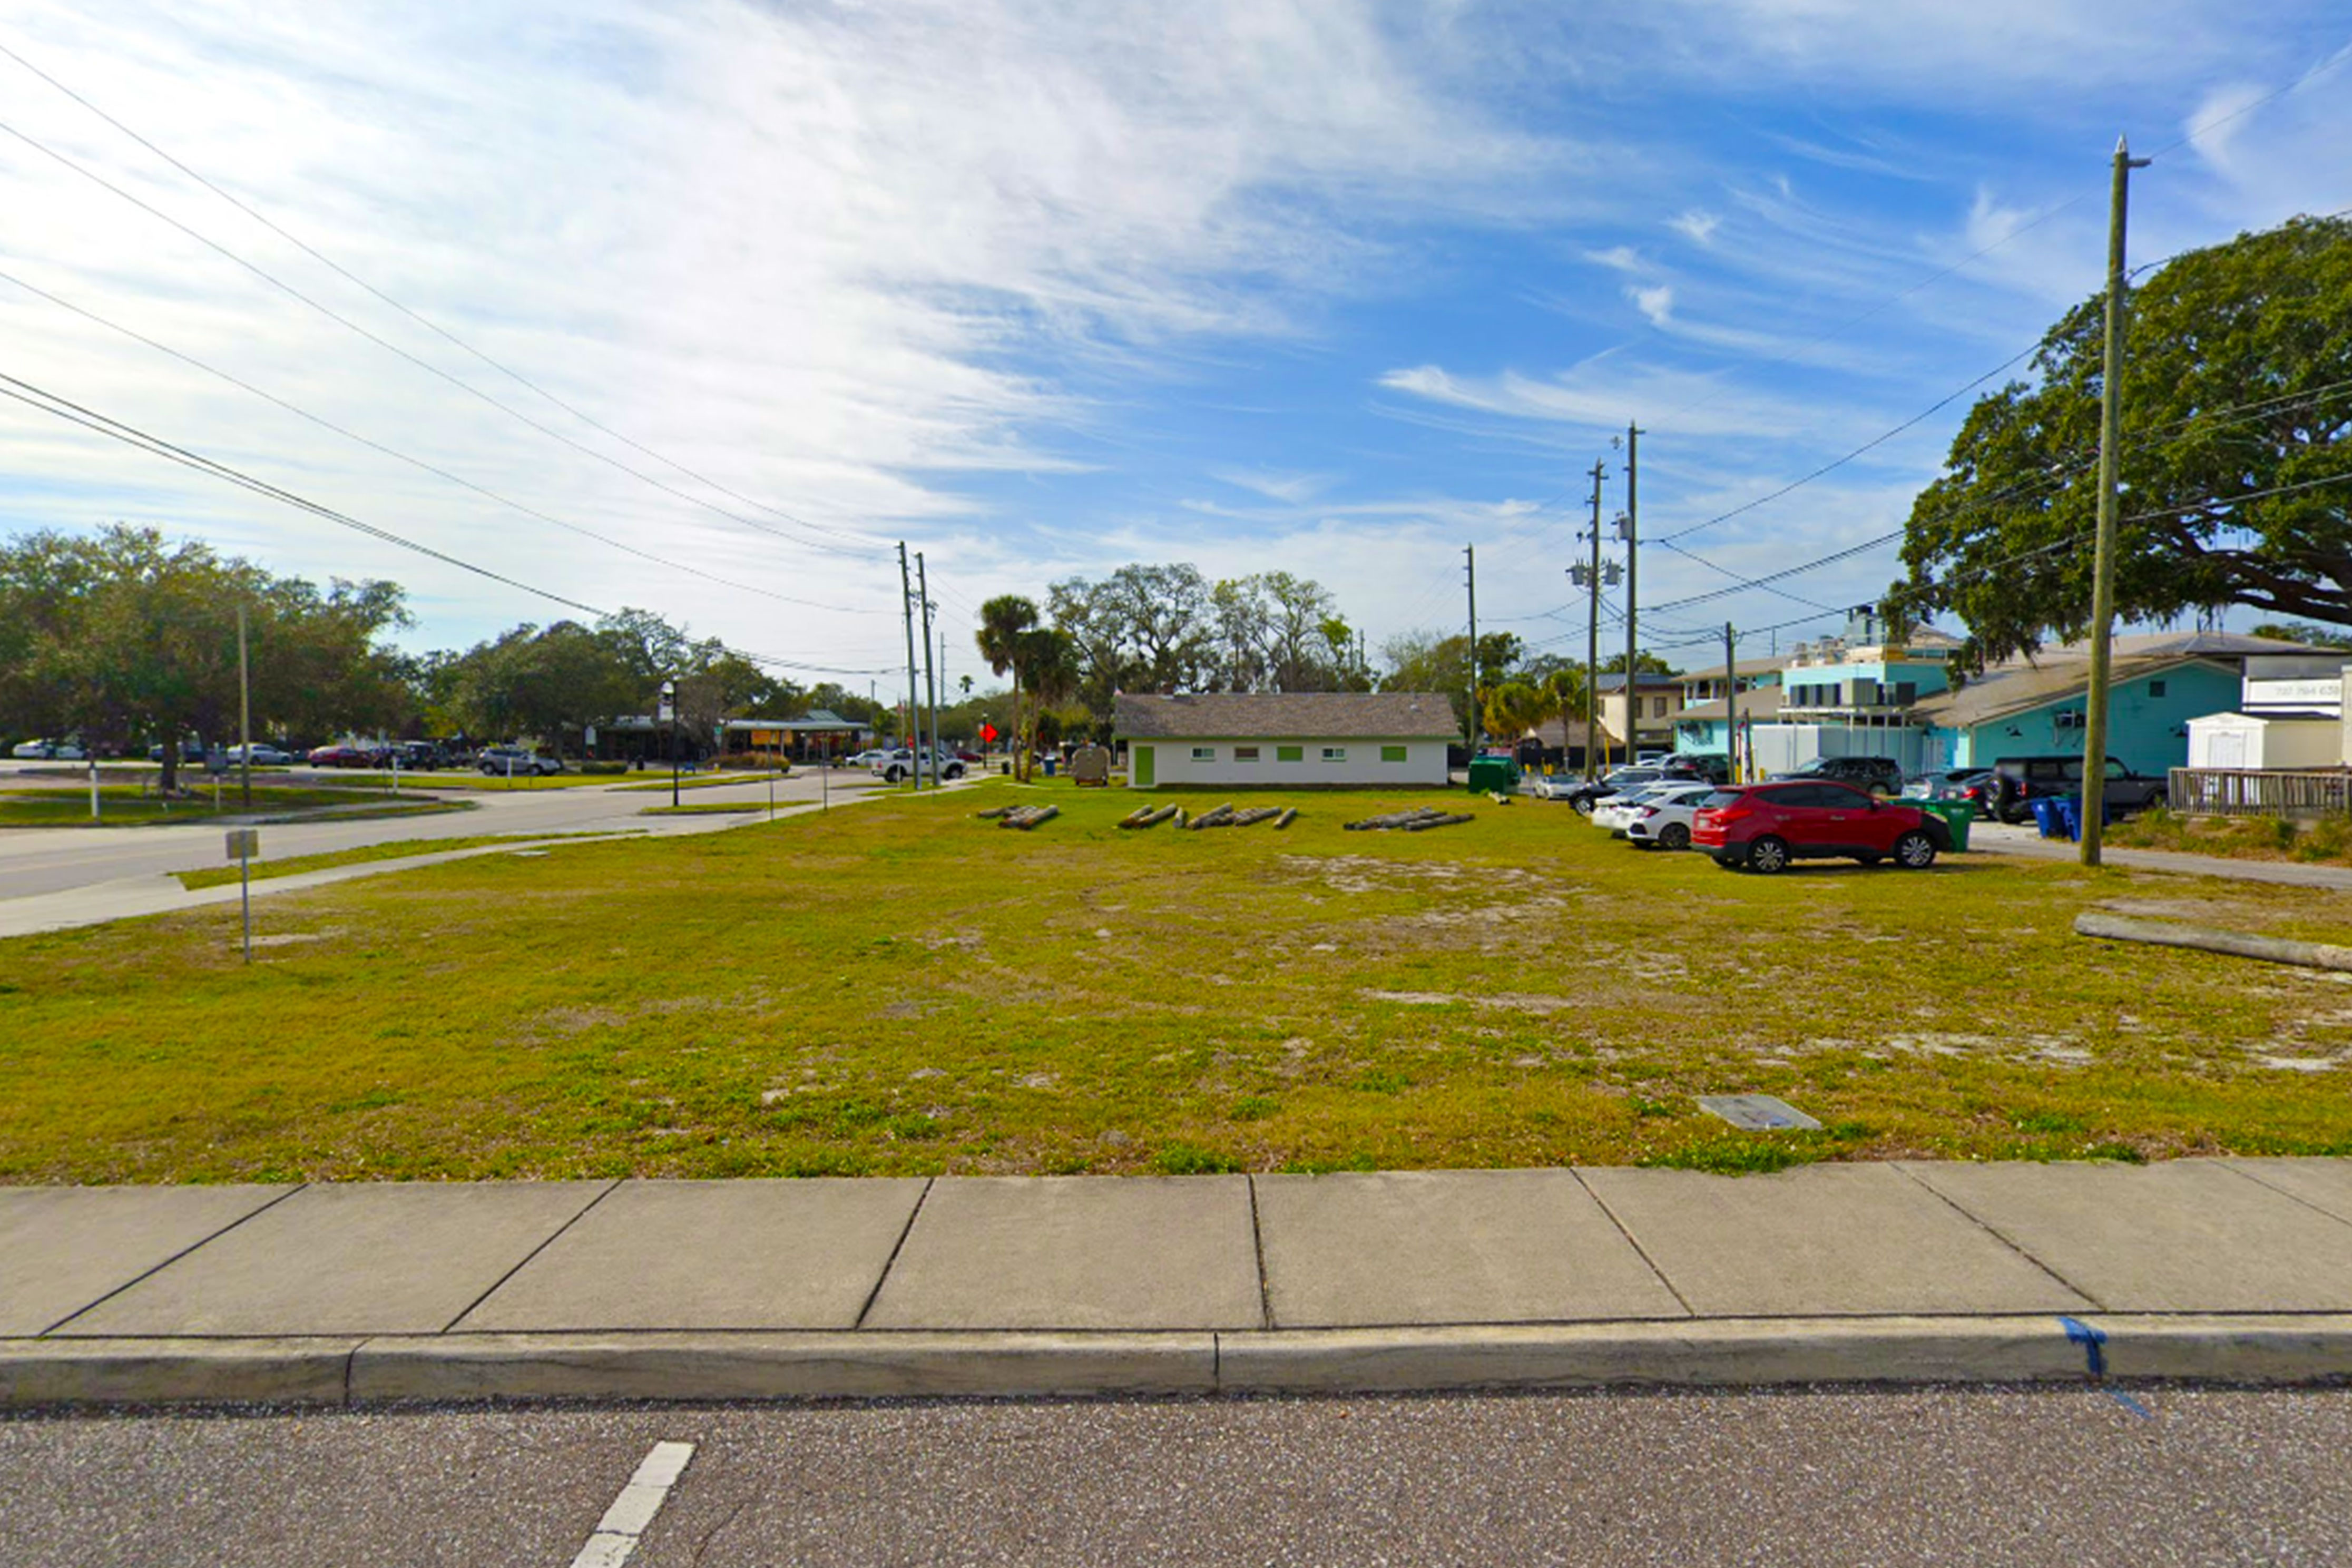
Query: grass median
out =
(132, 805)
(904, 988)
(398, 850)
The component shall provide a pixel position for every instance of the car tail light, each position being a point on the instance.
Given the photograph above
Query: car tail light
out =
(1723, 813)
(1645, 811)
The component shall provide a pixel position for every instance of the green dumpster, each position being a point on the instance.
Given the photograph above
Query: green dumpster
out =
(1496, 773)
(1958, 814)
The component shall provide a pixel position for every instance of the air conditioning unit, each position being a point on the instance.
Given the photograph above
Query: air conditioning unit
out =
(2067, 719)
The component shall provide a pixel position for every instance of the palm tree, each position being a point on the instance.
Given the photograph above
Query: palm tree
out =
(1046, 658)
(1004, 621)
(1513, 708)
(1564, 691)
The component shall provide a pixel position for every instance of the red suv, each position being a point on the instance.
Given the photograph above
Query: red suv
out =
(1762, 828)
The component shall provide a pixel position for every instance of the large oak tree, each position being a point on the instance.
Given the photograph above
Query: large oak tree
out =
(2236, 456)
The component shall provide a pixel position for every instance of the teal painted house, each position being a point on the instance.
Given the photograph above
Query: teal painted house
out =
(2158, 684)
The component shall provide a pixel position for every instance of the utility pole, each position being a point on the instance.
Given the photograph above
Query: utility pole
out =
(930, 676)
(1631, 531)
(244, 713)
(1592, 631)
(1470, 576)
(1730, 704)
(2102, 580)
(906, 607)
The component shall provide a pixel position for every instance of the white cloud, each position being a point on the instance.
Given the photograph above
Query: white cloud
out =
(1696, 225)
(1656, 303)
(1617, 258)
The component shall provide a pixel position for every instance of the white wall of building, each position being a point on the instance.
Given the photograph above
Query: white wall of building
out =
(2246, 740)
(1175, 762)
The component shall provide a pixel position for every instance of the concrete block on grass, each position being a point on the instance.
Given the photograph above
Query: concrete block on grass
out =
(1447, 1247)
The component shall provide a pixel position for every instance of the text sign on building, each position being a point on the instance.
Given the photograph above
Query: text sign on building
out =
(2320, 694)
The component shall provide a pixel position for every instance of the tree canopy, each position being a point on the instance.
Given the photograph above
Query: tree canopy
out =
(2235, 467)
(124, 638)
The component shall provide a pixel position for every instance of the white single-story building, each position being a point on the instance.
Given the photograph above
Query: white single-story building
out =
(2265, 740)
(1287, 739)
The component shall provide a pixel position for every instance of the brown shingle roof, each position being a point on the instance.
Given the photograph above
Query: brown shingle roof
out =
(1266, 716)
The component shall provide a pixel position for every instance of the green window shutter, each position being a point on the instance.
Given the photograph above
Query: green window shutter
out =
(1289, 754)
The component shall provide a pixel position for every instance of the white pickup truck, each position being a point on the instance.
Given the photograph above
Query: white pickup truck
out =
(899, 764)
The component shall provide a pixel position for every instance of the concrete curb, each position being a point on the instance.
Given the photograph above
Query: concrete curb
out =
(1753, 1352)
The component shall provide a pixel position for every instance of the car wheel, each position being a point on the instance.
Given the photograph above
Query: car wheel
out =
(1583, 807)
(893, 775)
(2156, 802)
(1768, 856)
(1726, 862)
(1915, 851)
(1675, 837)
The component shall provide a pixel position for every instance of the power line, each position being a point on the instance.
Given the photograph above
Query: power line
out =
(419, 463)
(64, 408)
(423, 364)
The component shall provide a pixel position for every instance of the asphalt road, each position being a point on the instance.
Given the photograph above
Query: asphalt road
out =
(1818, 1477)
(40, 860)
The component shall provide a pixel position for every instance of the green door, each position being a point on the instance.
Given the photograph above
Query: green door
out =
(1141, 771)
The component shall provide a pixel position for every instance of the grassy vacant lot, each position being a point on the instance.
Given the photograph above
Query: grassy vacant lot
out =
(898, 987)
(130, 806)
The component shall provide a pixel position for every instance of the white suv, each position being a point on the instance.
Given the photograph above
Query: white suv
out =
(899, 763)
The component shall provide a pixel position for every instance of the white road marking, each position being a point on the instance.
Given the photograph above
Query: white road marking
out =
(632, 1511)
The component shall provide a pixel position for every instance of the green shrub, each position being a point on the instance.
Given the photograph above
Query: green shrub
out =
(593, 767)
(1189, 1160)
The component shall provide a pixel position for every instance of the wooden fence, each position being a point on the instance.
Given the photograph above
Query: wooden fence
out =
(2259, 791)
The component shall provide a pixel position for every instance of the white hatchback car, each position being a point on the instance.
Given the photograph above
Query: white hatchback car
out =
(1664, 821)
(1611, 813)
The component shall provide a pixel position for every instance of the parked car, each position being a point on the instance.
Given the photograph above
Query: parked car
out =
(1874, 776)
(1969, 785)
(1712, 766)
(263, 755)
(2016, 781)
(344, 756)
(421, 755)
(1762, 828)
(1663, 820)
(1618, 809)
(47, 750)
(1585, 795)
(899, 763)
(506, 762)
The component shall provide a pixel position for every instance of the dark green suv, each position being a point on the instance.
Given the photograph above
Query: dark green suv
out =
(1878, 776)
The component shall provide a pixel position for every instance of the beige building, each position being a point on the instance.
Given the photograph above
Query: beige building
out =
(1657, 698)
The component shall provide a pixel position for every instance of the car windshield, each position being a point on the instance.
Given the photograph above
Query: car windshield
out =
(1720, 798)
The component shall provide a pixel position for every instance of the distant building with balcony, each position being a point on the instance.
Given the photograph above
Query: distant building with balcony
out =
(1853, 695)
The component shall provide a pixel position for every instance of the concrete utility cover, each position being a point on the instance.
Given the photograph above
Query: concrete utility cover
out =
(1756, 1112)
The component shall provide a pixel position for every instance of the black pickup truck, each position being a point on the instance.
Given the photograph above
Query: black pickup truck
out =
(2017, 781)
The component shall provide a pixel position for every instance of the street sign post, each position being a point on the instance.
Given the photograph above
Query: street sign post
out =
(243, 843)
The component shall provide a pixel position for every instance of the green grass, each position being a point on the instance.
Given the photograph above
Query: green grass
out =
(130, 806)
(2326, 842)
(903, 988)
(399, 848)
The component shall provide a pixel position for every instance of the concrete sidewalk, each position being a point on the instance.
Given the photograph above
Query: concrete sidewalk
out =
(2235, 1269)
(2003, 838)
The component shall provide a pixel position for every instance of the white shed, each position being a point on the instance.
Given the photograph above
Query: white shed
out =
(1289, 739)
(2265, 740)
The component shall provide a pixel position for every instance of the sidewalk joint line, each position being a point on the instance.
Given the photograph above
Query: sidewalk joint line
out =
(525, 1260)
(1258, 1250)
(148, 1274)
(2236, 1169)
(892, 1261)
(1639, 1250)
(1991, 1230)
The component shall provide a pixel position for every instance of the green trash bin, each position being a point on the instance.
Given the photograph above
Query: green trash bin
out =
(1958, 814)
(1497, 773)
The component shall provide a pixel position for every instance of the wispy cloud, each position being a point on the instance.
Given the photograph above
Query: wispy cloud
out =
(1696, 225)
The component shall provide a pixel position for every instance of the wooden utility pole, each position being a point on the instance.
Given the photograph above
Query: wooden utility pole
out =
(1730, 704)
(1632, 532)
(1470, 577)
(1592, 632)
(930, 676)
(2103, 568)
(244, 713)
(906, 609)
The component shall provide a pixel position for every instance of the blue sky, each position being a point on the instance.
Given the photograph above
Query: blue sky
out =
(1335, 288)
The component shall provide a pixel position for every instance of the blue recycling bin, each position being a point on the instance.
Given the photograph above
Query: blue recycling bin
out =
(2070, 818)
(1049, 766)
(2045, 816)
